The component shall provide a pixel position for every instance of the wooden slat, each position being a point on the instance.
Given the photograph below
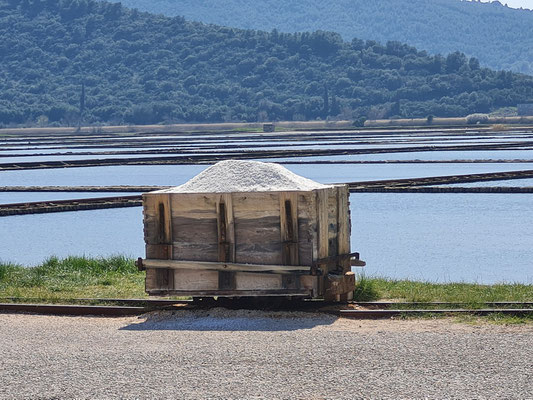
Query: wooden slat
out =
(233, 293)
(257, 228)
(254, 281)
(219, 266)
(159, 251)
(195, 279)
(194, 225)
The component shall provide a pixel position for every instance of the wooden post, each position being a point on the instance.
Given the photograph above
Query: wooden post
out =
(164, 278)
(343, 242)
(288, 205)
(323, 233)
(226, 240)
(289, 228)
(343, 224)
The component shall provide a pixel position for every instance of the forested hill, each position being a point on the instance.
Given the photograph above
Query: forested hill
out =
(500, 37)
(116, 65)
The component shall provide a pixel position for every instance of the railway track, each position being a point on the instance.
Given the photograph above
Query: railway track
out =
(373, 311)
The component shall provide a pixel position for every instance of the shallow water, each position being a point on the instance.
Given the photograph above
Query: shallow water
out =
(21, 197)
(435, 237)
(485, 238)
(30, 239)
(178, 174)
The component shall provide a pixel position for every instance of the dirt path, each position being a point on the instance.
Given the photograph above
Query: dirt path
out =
(249, 354)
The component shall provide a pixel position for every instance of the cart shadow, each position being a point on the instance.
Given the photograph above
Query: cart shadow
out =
(230, 320)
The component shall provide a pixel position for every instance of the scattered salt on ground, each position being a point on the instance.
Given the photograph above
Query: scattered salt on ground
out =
(245, 176)
(222, 319)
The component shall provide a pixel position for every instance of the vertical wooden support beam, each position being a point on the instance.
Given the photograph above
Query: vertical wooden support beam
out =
(226, 240)
(288, 206)
(164, 277)
(323, 233)
(289, 227)
(343, 225)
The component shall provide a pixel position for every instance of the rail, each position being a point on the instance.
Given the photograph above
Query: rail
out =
(141, 306)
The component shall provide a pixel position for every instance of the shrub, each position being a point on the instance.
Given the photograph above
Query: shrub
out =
(473, 119)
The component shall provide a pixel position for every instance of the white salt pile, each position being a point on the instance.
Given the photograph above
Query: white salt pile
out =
(245, 176)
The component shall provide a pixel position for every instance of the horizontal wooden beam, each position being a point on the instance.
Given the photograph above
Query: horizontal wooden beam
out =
(221, 266)
(231, 293)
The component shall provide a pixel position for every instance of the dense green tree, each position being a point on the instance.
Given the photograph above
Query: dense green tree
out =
(500, 37)
(71, 59)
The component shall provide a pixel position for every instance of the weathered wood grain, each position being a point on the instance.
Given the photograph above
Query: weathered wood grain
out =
(194, 226)
(288, 202)
(323, 234)
(251, 281)
(257, 228)
(253, 243)
(307, 228)
(222, 266)
(195, 279)
(343, 238)
(304, 293)
(333, 221)
(159, 242)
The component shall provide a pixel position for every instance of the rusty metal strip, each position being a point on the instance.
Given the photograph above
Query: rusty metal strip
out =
(55, 309)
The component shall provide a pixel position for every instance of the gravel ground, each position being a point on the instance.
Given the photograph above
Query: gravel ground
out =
(250, 354)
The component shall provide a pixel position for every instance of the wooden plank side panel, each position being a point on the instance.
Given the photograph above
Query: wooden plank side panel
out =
(158, 251)
(251, 281)
(157, 218)
(194, 226)
(150, 280)
(193, 279)
(149, 219)
(257, 228)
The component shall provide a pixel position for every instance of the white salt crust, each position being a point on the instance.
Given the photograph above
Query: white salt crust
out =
(245, 176)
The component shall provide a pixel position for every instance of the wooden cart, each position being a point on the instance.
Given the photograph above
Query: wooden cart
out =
(291, 243)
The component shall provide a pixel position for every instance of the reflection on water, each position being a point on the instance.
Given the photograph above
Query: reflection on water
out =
(437, 237)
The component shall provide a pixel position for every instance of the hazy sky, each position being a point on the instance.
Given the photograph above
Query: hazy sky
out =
(516, 3)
